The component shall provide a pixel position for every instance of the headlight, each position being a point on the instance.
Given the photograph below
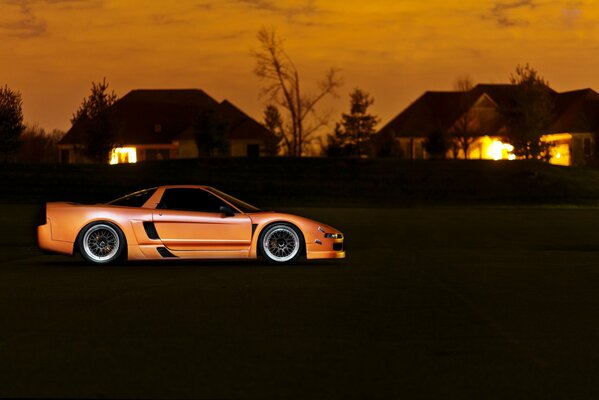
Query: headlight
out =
(333, 235)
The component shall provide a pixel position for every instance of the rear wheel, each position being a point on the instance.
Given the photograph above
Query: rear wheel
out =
(101, 243)
(281, 243)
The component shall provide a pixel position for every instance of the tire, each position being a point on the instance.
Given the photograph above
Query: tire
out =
(101, 243)
(281, 243)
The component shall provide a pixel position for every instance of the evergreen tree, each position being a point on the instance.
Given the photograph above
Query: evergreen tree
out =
(11, 121)
(94, 114)
(437, 144)
(352, 135)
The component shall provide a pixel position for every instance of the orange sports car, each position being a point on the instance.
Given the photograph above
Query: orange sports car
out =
(183, 222)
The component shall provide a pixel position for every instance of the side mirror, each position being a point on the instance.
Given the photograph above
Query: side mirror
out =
(226, 210)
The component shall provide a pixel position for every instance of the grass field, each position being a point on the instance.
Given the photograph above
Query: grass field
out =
(462, 280)
(452, 302)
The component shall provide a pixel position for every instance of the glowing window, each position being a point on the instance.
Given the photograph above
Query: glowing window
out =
(498, 150)
(123, 155)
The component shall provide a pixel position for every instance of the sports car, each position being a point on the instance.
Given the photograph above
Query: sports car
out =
(183, 222)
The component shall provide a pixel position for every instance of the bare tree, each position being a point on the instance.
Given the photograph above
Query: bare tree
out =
(282, 80)
(464, 129)
(273, 122)
(39, 146)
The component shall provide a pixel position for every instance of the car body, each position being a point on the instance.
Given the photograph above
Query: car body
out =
(183, 222)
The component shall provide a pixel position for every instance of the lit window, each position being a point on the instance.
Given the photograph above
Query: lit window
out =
(498, 150)
(123, 155)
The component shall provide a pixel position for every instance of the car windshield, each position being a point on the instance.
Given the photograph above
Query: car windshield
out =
(136, 199)
(241, 205)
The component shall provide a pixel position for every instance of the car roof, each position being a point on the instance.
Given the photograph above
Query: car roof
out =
(185, 187)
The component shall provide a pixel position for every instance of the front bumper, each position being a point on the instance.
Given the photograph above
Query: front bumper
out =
(323, 247)
(314, 255)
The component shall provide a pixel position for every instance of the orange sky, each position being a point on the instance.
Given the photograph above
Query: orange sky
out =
(51, 50)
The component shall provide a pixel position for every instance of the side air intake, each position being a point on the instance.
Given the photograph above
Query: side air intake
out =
(151, 230)
(165, 253)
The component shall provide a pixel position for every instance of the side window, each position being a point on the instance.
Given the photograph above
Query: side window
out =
(189, 199)
(136, 199)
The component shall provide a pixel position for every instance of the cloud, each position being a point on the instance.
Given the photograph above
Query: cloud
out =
(500, 10)
(26, 25)
(291, 12)
(571, 14)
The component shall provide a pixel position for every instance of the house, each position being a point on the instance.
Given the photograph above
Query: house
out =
(158, 125)
(572, 131)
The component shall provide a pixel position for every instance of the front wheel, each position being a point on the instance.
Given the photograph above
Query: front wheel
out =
(281, 243)
(101, 243)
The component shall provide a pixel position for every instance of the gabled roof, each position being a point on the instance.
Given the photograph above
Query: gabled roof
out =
(241, 125)
(160, 116)
(575, 111)
(430, 112)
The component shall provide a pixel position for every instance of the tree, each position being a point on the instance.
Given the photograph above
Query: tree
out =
(94, 113)
(39, 146)
(210, 134)
(273, 122)
(464, 129)
(529, 114)
(437, 144)
(356, 128)
(335, 146)
(283, 87)
(11, 121)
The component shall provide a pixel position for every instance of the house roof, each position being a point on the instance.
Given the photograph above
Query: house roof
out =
(431, 111)
(575, 111)
(161, 116)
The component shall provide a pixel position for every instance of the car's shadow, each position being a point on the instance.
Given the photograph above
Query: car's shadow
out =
(77, 262)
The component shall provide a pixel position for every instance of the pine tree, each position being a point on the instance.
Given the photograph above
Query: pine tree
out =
(94, 114)
(11, 121)
(355, 130)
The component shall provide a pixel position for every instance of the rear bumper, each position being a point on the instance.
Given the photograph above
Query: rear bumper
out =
(45, 242)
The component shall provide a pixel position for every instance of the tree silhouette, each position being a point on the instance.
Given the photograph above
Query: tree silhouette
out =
(530, 114)
(94, 115)
(352, 135)
(273, 122)
(464, 129)
(283, 87)
(210, 133)
(11, 121)
(39, 146)
(437, 144)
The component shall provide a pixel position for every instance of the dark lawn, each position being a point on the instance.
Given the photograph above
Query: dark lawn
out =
(431, 302)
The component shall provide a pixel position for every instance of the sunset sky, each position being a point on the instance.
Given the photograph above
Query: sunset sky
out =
(51, 50)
